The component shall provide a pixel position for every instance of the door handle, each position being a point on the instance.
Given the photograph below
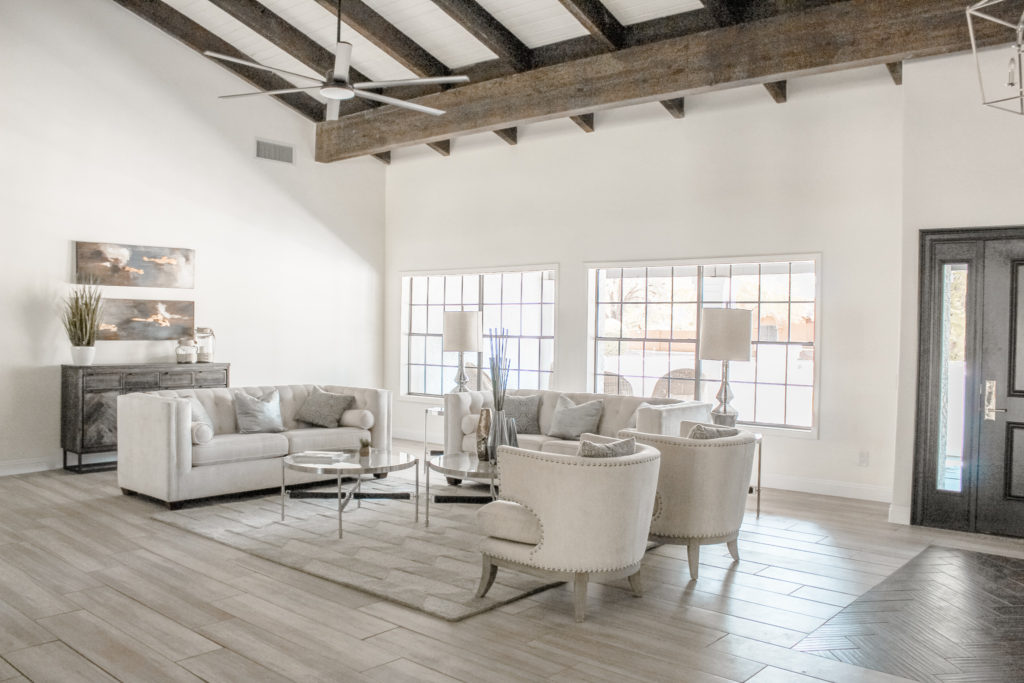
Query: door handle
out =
(990, 400)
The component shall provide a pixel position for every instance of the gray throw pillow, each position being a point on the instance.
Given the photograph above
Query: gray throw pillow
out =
(323, 408)
(612, 449)
(258, 415)
(703, 431)
(199, 413)
(571, 420)
(525, 410)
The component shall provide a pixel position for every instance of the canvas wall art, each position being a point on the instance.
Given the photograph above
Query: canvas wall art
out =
(138, 319)
(127, 265)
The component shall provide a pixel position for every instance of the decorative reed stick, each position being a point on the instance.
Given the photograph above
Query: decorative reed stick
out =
(499, 366)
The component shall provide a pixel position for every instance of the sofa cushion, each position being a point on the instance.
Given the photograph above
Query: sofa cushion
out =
(360, 419)
(199, 413)
(323, 439)
(704, 431)
(610, 449)
(510, 521)
(257, 415)
(324, 408)
(571, 420)
(227, 448)
(525, 410)
(201, 433)
(534, 442)
(560, 447)
(469, 423)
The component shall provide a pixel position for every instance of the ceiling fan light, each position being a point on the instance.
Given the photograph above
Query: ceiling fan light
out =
(337, 92)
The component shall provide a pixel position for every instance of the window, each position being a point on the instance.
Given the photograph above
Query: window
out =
(646, 335)
(523, 302)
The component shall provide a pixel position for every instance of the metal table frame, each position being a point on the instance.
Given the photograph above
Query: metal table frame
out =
(344, 469)
(489, 474)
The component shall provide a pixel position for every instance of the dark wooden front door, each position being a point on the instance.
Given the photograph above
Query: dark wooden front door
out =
(969, 462)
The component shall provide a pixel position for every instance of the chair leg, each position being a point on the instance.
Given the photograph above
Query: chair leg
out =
(693, 555)
(489, 571)
(580, 595)
(636, 584)
(734, 549)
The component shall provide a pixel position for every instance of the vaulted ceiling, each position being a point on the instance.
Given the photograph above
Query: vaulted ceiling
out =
(534, 60)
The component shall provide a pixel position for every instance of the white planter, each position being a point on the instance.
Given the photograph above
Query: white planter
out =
(82, 355)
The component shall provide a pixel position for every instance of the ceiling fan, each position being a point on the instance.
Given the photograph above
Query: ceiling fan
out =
(335, 86)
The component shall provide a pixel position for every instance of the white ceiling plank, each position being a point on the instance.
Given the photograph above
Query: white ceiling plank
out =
(435, 31)
(636, 11)
(535, 22)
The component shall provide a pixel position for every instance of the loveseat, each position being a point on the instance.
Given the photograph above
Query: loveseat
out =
(157, 457)
(659, 416)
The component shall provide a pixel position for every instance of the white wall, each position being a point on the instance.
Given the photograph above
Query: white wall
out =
(111, 131)
(739, 176)
(963, 169)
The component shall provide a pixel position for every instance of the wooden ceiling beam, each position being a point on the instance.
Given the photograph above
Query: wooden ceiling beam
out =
(292, 41)
(177, 25)
(599, 22)
(442, 147)
(489, 31)
(778, 91)
(584, 121)
(830, 38)
(675, 107)
(509, 135)
(387, 37)
(896, 72)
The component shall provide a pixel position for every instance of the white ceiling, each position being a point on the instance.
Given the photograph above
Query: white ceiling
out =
(535, 22)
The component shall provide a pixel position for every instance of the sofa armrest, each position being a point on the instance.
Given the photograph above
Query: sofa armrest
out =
(154, 443)
(457, 406)
(378, 402)
(665, 419)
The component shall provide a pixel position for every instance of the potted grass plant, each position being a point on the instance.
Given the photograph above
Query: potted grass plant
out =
(81, 318)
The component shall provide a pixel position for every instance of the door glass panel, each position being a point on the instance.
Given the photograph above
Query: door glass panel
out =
(1015, 463)
(952, 378)
(1016, 359)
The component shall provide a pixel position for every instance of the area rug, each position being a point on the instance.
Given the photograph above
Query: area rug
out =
(435, 570)
(947, 615)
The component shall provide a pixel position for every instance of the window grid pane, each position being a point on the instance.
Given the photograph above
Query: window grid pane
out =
(647, 327)
(522, 302)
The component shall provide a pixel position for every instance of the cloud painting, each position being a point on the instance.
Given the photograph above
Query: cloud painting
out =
(126, 265)
(134, 319)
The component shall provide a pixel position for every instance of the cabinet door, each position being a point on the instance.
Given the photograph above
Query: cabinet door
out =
(99, 420)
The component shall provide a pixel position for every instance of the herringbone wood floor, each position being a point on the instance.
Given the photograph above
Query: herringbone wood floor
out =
(91, 589)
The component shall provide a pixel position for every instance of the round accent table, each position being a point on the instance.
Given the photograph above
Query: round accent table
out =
(347, 463)
(461, 466)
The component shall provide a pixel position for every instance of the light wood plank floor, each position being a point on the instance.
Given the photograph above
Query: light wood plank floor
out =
(92, 589)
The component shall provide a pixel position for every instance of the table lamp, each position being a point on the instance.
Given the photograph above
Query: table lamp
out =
(725, 336)
(462, 334)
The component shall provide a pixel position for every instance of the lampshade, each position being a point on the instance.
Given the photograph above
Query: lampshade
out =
(461, 331)
(725, 334)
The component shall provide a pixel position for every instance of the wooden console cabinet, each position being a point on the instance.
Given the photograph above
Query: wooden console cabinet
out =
(88, 415)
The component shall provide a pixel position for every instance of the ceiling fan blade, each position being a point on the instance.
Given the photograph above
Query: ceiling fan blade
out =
(333, 109)
(373, 85)
(398, 103)
(255, 65)
(270, 92)
(342, 60)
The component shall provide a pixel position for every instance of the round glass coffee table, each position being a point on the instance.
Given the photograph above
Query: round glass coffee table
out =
(461, 466)
(347, 463)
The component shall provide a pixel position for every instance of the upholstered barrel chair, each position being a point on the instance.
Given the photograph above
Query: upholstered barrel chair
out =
(702, 489)
(570, 517)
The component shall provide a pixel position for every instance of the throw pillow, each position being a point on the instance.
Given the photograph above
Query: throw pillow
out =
(571, 420)
(199, 413)
(324, 409)
(201, 433)
(363, 419)
(703, 431)
(525, 410)
(257, 415)
(611, 449)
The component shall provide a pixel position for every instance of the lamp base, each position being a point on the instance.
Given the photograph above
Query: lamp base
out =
(724, 419)
(724, 414)
(461, 379)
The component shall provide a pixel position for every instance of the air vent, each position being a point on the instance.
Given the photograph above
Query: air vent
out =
(274, 151)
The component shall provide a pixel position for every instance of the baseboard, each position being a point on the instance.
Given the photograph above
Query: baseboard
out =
(828, 487)
(899, 514)
(28, 465)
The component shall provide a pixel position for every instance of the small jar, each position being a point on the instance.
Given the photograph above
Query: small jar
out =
(204, 341)
(186, 351)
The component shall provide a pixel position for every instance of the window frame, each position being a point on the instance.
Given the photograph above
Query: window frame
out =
(405, 314)
(593, 338)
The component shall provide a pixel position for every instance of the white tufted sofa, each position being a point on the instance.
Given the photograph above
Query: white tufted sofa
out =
(702, 489)
(569, 516)
(156, 457)
(662, 416)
